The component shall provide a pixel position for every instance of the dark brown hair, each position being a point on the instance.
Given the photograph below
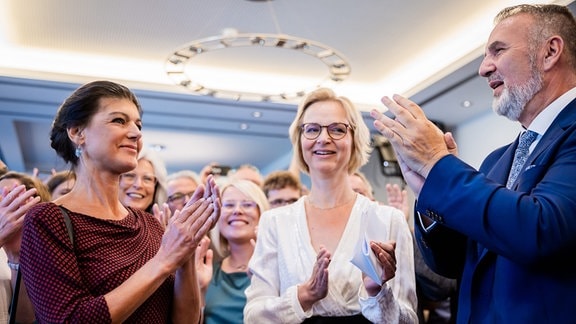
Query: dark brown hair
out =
(77, 111)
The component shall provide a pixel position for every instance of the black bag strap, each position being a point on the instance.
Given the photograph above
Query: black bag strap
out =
(68, 223)
(15, 294)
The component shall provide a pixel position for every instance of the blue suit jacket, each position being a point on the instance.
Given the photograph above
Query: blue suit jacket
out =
(513, 251)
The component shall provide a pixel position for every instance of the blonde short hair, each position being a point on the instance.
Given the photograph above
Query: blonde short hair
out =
(360, 133)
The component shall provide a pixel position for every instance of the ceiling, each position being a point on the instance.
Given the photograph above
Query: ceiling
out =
(427, 50)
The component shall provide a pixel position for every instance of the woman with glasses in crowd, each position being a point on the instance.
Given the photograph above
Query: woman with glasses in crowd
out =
(301, 269)
(145, 185)
(223, 283)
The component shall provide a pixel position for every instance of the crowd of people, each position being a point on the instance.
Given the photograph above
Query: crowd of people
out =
(116, 238)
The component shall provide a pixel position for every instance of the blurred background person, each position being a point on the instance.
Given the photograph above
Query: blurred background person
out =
(216, 170)
(60, 183)
(3, 167)
(281, 188)
(146, 184)
(247, 172)
(18, 193)
(224, 282)
(361, 185)
(179, 187)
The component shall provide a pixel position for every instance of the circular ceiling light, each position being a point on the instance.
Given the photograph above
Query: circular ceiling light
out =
(178, 63)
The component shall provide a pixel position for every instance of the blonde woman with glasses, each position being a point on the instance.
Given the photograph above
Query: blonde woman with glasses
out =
(301, 269)
(145, 185)
(223, 283)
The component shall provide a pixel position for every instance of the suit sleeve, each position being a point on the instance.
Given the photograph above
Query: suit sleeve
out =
(533, 225)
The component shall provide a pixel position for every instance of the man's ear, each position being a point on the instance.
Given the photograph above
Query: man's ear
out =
(553, 51)
(76, 135)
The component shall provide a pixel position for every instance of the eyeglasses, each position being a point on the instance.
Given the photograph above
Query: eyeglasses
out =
(336, 131)
(245, 204)
(179, 198)
(281, 202)
(146, 179)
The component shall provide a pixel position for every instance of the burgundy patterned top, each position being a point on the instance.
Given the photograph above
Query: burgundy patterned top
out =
(67, 284)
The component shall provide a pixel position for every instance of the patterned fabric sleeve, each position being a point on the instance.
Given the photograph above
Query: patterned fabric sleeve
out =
(51, 273)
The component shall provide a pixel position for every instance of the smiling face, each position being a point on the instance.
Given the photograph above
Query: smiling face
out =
(324, 154)
(112, 139)
(510, 64)
(137, 186)
(239, 217)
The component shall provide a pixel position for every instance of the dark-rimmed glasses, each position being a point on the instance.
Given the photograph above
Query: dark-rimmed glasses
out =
(336, 131)
(179, 198)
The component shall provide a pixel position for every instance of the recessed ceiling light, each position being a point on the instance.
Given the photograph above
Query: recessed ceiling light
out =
(466, 103)
(244, 126)
(256, 114)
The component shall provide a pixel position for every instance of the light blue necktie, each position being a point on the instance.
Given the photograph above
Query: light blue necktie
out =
(520, 156)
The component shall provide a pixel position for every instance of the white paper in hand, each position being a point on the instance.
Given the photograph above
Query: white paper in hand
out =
(371, 230)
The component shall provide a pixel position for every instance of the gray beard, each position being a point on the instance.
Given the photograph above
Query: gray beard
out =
(512, 100)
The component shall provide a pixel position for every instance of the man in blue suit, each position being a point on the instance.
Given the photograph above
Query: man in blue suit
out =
(511, 247)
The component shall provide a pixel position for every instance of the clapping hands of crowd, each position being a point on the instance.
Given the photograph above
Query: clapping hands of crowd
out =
(162, 214)
(14, 203)
(398, 198)
(204, 269)
(185, 230)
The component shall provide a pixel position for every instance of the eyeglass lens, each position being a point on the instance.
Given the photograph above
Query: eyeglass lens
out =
(179, 197)
(246, 205)
(335, 130)
(282, 202)
(146, 179)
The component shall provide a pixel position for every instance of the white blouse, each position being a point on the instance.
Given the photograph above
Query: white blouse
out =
(284, 257)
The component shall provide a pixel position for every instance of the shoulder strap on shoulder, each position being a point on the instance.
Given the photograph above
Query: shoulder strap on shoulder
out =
(68, 223)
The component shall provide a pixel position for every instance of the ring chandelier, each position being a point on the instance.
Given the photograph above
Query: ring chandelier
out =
(176, 64)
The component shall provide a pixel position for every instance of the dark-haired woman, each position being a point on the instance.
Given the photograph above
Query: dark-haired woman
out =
(112, 263)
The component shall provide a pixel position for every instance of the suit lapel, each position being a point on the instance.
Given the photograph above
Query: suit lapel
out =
(563, 121)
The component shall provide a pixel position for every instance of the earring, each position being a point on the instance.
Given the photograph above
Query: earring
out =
(78, 151)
